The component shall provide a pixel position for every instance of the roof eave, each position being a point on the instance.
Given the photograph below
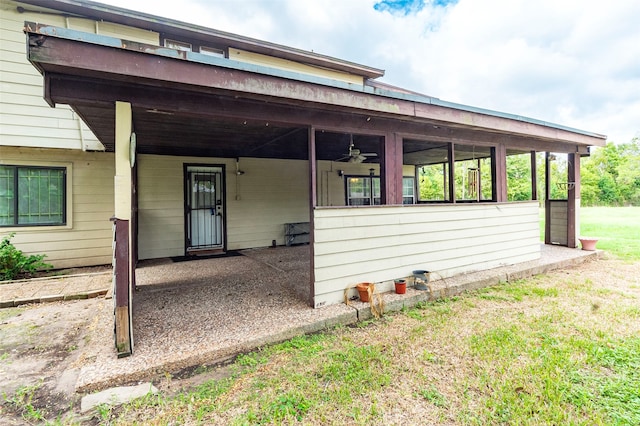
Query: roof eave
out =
(78, 52)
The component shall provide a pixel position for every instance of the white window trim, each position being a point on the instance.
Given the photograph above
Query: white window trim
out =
(69, 196)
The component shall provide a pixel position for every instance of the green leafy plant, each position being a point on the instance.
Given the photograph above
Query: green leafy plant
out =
(15, 264)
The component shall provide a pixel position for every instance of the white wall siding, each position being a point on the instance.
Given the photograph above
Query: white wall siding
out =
(378, 244)
(86, 239)
(160, 206)
(269, 194)
(259, 202)
(25, 118)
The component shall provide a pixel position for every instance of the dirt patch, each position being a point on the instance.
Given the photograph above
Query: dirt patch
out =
(41, 349)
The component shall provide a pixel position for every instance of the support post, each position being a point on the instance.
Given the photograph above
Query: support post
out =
(573, 199)
(534, 176)
(452, 173)
(547, 202)
(499, 173)
(313, 202)
(122, 257)
(391, 170)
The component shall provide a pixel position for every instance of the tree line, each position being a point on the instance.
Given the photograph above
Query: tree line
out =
(611, 175)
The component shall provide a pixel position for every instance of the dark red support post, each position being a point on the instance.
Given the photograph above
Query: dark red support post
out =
(391, 170)
(121, 291)
(313, 202)
(499, 173)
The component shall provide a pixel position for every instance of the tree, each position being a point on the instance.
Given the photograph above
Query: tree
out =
(611, 176)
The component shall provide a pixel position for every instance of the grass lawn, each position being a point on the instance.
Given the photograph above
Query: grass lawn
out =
(617, 229)
(562, 348)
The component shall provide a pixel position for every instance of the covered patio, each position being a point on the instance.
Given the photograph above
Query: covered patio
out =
(284, 146)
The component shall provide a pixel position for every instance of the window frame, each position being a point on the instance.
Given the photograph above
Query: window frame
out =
(375, 196)
(194, 46)
(67, 196)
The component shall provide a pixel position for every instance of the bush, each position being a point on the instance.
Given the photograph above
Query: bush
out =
(15, 264)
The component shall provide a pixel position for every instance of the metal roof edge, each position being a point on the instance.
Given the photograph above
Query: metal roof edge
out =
(516, 117)
(113, 42)
(425, 99)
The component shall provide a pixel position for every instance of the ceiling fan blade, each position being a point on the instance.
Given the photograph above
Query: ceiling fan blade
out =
(357, 159)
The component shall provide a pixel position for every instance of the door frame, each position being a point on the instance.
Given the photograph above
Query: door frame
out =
(223, 181)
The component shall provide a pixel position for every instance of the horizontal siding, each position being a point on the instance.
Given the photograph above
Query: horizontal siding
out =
(378, 244)
(25, 118)
(259, 59)
(160, 206)
(10, 15)
(87, 239)
(269, 194)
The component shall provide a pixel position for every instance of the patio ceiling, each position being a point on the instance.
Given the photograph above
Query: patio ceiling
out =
(165, 133)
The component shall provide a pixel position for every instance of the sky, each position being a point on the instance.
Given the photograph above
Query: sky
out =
(569, 62)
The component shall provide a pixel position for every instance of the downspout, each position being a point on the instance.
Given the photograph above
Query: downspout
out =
(79, 120)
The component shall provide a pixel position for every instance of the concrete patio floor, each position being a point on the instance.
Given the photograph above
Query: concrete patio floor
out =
(206, 311)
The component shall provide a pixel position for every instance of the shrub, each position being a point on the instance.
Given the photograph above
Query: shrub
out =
(15, 264)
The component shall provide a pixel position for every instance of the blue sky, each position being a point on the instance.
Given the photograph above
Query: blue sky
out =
(570, 62)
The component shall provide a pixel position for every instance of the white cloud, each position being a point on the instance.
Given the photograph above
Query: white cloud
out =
(573, 62)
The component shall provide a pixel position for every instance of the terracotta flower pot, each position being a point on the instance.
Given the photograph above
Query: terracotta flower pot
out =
(588, 243)
(363, 291)
(401, 286)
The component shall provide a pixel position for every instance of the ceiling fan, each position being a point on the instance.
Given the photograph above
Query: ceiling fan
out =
(354, 155)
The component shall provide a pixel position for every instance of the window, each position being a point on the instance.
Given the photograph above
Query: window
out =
(194, 46)
(212, 51)
(178, 45)
(32, 195)
(408, 191)
(365, 191)
(359, 191)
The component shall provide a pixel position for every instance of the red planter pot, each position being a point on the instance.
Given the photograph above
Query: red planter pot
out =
(401, 286)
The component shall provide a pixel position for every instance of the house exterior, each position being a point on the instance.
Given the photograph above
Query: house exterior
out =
(169, 139)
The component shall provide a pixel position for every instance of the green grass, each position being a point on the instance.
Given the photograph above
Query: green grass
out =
(617, 229)
(531, 352)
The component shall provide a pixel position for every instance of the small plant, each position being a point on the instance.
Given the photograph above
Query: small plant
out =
(22, 402)
(15, 264)
(104, 412)
(432, 395)
(287, 406)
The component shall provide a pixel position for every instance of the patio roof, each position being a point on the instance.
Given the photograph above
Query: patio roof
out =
(186, 103)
